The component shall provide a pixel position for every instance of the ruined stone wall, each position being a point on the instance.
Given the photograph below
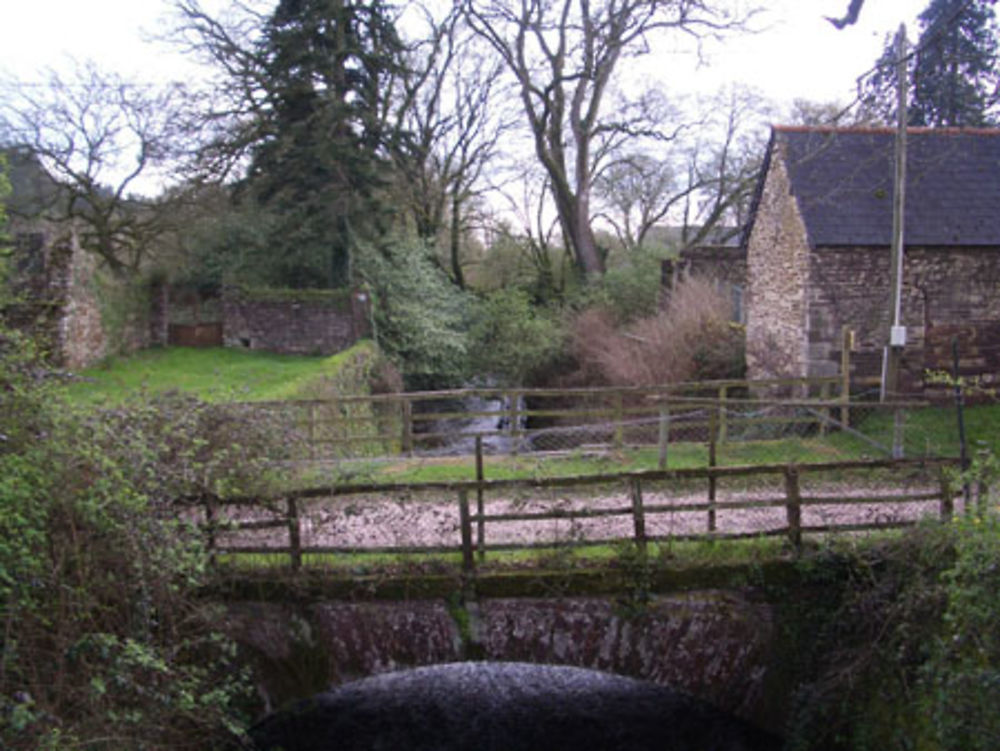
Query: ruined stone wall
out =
(946, 292)
(307, 322)
(777, 275)
(77, 312)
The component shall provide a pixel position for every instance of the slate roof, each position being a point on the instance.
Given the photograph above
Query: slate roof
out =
(843, 180)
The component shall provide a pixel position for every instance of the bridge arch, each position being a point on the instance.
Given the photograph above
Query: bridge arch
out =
(717, 644)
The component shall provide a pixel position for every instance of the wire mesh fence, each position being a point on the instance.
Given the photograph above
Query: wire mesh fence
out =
(705, 424)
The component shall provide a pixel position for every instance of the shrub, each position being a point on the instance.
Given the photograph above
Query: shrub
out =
(104, 644)
(626, 293)
(511, 339)
(421, 318)
(692, 339)
(911, 658)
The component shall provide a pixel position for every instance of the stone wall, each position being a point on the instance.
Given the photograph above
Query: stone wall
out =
(946, 292)
(308, 322)
(777, 275)
(78, 312)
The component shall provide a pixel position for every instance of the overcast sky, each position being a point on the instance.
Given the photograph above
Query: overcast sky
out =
(799, 54)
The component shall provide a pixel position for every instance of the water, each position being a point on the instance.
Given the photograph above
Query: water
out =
(497, 433)
(484, 706)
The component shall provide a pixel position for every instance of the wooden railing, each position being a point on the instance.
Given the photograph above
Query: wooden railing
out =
(474, 522)
(392, 424)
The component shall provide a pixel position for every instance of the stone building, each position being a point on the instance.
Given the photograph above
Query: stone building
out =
(56, 291)
(817, 252)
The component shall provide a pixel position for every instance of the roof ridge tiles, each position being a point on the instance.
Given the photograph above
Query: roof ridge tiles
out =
(884, 130)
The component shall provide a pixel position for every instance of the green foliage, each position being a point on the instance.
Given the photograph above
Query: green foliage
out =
(962, 677)
(628, 292)
(318, 163)
(5, 190)
(124, 304)
(511, 339)
(956, 70)
(911, 659)
(421, 318)
(104, 644)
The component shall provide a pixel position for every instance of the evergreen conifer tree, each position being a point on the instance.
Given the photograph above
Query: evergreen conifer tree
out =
(955, 68)
(320, 158)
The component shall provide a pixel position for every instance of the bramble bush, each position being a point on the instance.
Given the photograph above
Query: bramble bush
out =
(104, 644)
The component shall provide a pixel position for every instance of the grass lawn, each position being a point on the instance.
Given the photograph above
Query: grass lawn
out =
(218, 374)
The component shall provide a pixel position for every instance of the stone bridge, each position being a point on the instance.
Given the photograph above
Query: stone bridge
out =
(723, 634)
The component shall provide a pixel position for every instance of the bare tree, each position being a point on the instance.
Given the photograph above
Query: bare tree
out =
(702, 182)
(563, 56)
(98, 136)
(448, 112)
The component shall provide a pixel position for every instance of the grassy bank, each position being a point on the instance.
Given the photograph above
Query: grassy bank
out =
(215, 374)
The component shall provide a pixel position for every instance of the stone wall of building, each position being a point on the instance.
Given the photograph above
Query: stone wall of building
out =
(308, 322)
(777, 275)
(946, 292)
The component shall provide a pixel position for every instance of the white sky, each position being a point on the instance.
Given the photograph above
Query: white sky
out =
(799, 54)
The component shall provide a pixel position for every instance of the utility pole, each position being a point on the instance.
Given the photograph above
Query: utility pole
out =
(897, 332)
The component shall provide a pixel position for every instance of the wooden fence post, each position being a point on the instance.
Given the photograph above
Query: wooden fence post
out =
(514, 398)
(824, 395)
(312, 430)
(664, 439)
(294, 539)
(712, 481)
(480, 506)
(846, 342)
(638, 516)
(406, 407)
(723, 422)
(210, 528)
(619, 420)
(793, 506)
(465, 522)
(947, 496)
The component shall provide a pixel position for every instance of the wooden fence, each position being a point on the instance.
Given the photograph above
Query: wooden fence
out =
(474, 521)
(404, 423)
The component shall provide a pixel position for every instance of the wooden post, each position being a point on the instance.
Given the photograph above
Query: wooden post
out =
(480, 506)
(210, 527)
(846, 344)
(824, 395)
(294, 540)
(638, 516)
(619, 420)
(947, 496)
(664, 439)
(793, 506)
(468, 561)
(312, 430)
(407, 415)
(515, 419)
(712, 427)
(723, 431)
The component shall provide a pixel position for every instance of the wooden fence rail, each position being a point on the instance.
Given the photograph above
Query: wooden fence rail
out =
(404, 422)
(474, 523)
